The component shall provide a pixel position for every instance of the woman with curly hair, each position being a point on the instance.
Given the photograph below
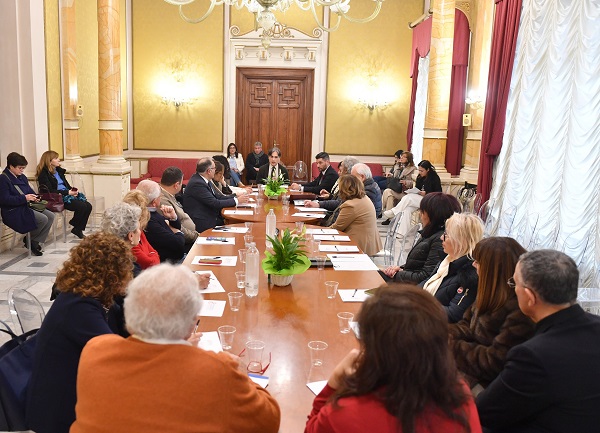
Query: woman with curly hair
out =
(97, 270)
(402, 378)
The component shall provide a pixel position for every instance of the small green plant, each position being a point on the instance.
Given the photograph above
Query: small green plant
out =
(273, 186)
(288, 257)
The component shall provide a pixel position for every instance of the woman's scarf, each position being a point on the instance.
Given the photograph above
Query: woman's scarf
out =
(433, 284)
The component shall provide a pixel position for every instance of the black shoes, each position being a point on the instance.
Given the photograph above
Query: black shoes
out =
(36, 248)
(386, 222)
(78, 233)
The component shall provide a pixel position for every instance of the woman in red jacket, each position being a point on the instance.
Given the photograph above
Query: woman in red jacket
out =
(402, 379)
(145, 254)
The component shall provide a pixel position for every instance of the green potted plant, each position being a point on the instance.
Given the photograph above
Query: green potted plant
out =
(273, 186)
(287, 259)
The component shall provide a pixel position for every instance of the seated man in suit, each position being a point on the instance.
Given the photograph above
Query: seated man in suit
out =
(550, 383)
(200, 201)
(254, 161)
(324, 181)
(157, 380)
(273, 168)
(165, 237)
(363, 172)
(170, 185)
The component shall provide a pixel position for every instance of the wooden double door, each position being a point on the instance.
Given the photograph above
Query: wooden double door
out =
(275, 106)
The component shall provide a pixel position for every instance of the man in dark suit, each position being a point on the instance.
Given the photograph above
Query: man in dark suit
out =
(254, 161)
(200, 201)
(273, 168)
(324, 181)
(550, 383)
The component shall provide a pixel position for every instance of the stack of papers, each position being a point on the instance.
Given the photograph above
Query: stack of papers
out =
(309, 215)
(338, 238)
(230, 229)
(352, 262)
(215, 240)
(214, 286)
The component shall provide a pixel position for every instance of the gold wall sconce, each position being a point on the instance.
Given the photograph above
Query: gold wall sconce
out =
(178, 88)
(475, 101)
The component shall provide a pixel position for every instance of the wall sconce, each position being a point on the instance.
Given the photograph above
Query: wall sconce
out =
(475, 101)
(373, 95)
(177, 88)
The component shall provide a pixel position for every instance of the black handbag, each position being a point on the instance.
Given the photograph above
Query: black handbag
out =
(395, 184)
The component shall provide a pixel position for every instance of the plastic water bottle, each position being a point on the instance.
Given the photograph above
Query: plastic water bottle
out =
(271, 225)
(252, 269)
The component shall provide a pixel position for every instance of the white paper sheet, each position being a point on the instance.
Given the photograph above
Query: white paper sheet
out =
(354, 327)
(238, 212)
(353, 295)
(338, 248)
(225, 260)
(215, 240)
(335, 238)
(212, 308)
(251, 205)
(299, 202)
(321, 232)
(224, 229)
(210, 341)
(214, 286)
(309, 215)
(352, 262)
(310, 209)
(258, 379)
(317, 387)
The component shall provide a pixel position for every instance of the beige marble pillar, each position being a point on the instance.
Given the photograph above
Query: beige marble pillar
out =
(68, 46)
(438, 91)
(479, 64)
(111, 171)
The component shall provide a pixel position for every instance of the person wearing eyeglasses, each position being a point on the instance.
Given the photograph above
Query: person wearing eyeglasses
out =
(15, 196)
(494, 323)
(402, 378)
(201, 202)
(551, 382)
(155, 380)
(454, 283)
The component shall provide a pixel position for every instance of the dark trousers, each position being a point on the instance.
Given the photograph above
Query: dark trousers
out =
(82, 210)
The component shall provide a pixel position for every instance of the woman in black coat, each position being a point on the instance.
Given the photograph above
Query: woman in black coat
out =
(51, 178)
(424, 257)
(454, 283)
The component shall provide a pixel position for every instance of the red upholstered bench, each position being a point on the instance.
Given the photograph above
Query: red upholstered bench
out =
(376, 169)
(156, 166)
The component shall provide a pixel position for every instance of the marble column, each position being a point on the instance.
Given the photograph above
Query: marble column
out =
(68, 46)
(111, 171)
(479, 64)
(438, 92)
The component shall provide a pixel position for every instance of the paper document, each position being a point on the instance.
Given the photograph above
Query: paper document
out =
(354, 327)
(215, 260)
(309, 215)
(258, 379)
(250, 205)
(238, 212)
(215, 240)
(338, 238)
(317, 387)
(352, 262)
(210, 341)
(299, 202)
(214, 286)
(412, 191)
(338, 248)
(220, 229)
(310, 209)
(353, 295)
(321, 232)
(212, 308)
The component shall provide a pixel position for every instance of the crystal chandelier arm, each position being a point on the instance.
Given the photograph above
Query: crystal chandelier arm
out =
(203, 17)
(179, 2)
(322, 26)
(362, 20)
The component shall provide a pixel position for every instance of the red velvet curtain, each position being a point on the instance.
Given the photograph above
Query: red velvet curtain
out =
(504, 43)
(420, 48)
(458, 90)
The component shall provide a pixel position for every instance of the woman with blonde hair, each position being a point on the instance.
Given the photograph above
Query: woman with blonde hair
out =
(97, 271)
(454, 283)
(494, 323)
(51, 178)
(144, 253)
(357, 215)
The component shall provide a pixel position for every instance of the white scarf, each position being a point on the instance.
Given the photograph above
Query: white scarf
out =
(433, 284)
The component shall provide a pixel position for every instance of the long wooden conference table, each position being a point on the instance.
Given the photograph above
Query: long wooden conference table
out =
(286, 319)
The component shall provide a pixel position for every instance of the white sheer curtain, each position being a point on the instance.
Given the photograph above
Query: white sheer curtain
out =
(420, 106)
(547, 177)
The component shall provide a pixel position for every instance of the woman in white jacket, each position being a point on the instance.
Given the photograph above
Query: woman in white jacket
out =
(236, 164)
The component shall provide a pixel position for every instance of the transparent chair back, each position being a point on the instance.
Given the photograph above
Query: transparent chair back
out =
(389, 247)
(300, 171)
(26, 311)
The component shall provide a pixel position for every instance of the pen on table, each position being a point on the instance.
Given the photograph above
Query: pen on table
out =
(355, 290)
(196, 327)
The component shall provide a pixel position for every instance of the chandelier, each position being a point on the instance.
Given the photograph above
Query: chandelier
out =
(265, 19)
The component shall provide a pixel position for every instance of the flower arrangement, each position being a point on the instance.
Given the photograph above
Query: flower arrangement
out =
(273, 186)
(288, 258)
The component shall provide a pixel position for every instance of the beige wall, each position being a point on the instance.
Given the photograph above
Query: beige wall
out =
(381, 48)
(163, 46)
(55, 132)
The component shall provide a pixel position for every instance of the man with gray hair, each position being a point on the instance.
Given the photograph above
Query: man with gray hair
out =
(156, 380)
(363, 172)
(254, 161)
(163, 231)
(550, 383)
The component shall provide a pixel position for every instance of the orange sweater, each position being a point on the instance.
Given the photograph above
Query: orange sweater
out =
(126, 385)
